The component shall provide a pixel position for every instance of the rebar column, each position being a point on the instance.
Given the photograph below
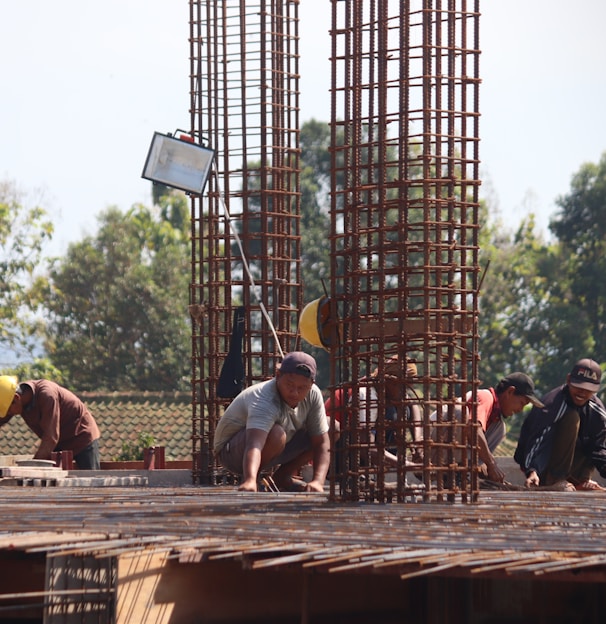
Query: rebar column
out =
(245, 282)
(404, 250)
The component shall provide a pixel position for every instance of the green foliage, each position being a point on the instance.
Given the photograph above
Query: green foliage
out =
(580, 226)
(315, 205)
(315, 223)
(317, 182)
(118, 303)
(543, 305)
(134, 451)
(40, 368)
(24, 231)
(528, 322)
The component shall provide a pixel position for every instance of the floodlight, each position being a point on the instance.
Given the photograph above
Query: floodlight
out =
(178, 162)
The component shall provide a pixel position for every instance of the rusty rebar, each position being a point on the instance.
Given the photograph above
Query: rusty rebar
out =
(404, 246)
(244, 86)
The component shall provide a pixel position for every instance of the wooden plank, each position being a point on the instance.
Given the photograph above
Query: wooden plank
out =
(31, 472)
(395, 329)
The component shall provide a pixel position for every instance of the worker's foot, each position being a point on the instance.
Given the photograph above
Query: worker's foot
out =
(589, 486)
(561, 486)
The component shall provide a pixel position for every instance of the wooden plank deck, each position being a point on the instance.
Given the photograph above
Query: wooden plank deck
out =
(521, 533)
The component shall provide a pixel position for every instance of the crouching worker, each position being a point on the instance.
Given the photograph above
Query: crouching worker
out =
(508, 397)
(56, 415)
(277, 423)
(561, 444)
(395, 385)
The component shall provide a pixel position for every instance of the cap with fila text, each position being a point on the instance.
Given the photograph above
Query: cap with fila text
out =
(586, 374)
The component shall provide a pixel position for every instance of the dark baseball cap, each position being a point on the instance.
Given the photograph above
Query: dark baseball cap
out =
(524, 386)
(299, 363)
(586, 374)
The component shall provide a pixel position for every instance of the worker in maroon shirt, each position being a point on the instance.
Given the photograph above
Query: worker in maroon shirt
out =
(56, 415)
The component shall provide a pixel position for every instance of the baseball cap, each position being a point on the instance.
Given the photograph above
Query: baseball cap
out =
(586, 374)
(299, 363)
(524, 386)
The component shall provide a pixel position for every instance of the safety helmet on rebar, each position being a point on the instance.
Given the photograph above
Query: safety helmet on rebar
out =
(8, 387)
(314, 322)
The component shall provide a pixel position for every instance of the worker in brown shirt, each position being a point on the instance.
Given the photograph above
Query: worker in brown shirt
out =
(57, 416)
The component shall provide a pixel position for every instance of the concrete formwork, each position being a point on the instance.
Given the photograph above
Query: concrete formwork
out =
(210, 555)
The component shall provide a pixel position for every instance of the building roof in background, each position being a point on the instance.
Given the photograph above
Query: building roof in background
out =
(122, 417)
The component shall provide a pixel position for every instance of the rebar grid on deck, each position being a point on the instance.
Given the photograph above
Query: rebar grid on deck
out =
(546, 536)
(245, 105)
(404, 248)
(526, 533)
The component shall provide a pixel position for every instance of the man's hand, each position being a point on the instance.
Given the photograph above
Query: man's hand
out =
(495, 473)
(532, 480)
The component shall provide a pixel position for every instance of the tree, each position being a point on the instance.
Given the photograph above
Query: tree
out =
(40, 368)
(509, 298)
(316, 185)
(529, 321)
(580, 226)
(315, 222)
(24, 232)
(118, 302)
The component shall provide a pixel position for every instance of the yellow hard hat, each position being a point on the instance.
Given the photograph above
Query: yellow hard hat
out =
(314, 322)
(8, 386)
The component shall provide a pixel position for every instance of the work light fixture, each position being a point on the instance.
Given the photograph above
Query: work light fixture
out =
(178, 162)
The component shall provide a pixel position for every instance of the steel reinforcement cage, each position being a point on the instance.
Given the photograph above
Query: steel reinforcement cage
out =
(245, 284)
(404, 231)
(404, 251)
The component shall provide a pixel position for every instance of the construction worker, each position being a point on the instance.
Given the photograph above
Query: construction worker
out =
(56, 415)
(396, 384)
(510, 396)
(280, 422)
(561, 444)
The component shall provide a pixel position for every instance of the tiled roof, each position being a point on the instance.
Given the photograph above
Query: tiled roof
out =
(121, 417)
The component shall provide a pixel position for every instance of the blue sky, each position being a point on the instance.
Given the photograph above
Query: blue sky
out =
(86, 84)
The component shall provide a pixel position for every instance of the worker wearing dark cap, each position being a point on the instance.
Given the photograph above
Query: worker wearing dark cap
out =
(510, 396)
(277, 423)
(561, 444)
